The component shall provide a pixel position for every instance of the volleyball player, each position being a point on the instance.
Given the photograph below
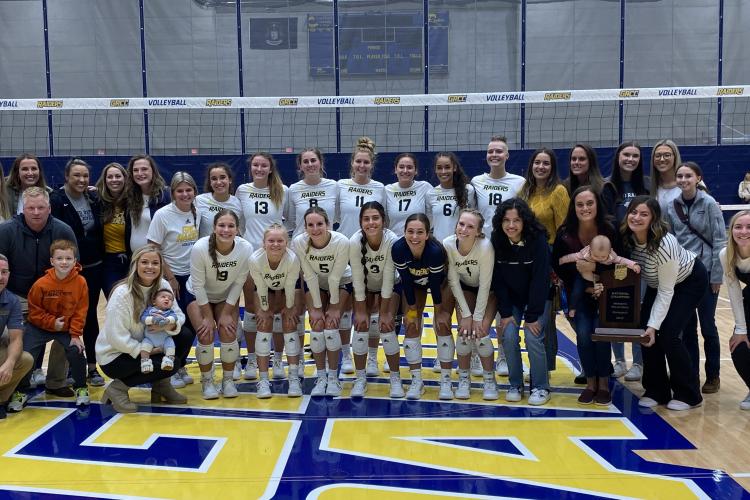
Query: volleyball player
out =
(217, 195)
(453, 194)
(375, 304)
(407, 196)
(219, 265)
(324, 258)
(355, 192)
(312, 190)
(275, 270)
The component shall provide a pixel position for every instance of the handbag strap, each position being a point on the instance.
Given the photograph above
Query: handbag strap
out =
(684, 219)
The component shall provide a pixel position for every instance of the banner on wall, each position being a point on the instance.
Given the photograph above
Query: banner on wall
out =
(273, 33)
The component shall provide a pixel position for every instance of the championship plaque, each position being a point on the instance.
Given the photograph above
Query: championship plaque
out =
(619, 306)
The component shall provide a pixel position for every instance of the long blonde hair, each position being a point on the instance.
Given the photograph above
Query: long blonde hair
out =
(655, 174)
(732, 253)
(139, 298)
(275, 184)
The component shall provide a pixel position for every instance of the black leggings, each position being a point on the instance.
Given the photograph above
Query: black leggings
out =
(93, 275)
(128, 369)
(741, 360)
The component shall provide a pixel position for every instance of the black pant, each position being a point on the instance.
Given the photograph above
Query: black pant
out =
(93, 277)
(741, 360)
(128, 369)
(681, 383)
(34, 340)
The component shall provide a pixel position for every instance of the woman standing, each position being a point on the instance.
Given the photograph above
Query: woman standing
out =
(665, 158)
(26, 171)
(584, 171)
(312, 190)
(420, 261)
(111, 190)
(145, 193)
(677, 281)
(264, 202)
(217, 195)
(696, 221)
(118, 347)
(81, 210)
(453, 194)
(471, 258)
(375, 304)
(219, 265)
(324, 258)
(522, 284)
(586, 219)
(360, 189)
(735, 259)
(407, 196)
(275, 271)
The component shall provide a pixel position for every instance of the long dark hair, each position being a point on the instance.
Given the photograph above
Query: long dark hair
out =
(656, 230)
(428, 227)
(532, 228)
(14, 176)
(227, 170)
(370, 205)
(530, 188)
(594, 174)
(133, 192)
(110, 202)
(212, 238)
(460, 180)
(636, 179)
(602, 219)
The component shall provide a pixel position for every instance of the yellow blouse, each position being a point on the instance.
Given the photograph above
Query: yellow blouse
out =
(550, 207)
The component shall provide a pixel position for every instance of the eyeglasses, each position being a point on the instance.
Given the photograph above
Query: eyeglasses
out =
(666, 156)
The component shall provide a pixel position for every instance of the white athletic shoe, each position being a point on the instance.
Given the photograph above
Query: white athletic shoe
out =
(416, 389)
(489, 390)
(208, 388)
(185, 376)
(397, 389)
(359, 388)
(237, 373)
(319, 389)
(334, 387)
(476, 365)
(436, 366)
(228, 389)
(346, 362)
(501, 367)
(295, 388)
(620, 369)
(446, 389)
(278, 369)
(677, 405)
(386, 368)
(464, 388)
(646, 402)
(177, 381)
(514, 395)
(371, 368)
(37, 378)
(635, 373)
(263, 389)
(539, 397)
(745, 403)
(251, 370)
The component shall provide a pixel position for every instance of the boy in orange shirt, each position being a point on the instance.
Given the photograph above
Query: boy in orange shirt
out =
(58, 302)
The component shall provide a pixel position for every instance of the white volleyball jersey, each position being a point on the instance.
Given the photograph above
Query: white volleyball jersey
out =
(212, 284)
(176, 232)
(490, 193)
(473, 269)
(400, 203)
(351, 198)
(442, 209)
(209, 206)
(381, 273)
(259, 212)
(303, 196)
(284, 277)
(324, 268)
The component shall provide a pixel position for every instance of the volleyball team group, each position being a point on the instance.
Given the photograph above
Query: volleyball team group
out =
(360, 258)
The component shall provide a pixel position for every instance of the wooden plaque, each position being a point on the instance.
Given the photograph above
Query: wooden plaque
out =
(619, 306)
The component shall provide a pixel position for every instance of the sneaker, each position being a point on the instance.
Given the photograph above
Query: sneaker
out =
(745, 403)
(17, 401)
(397, 390)
(237, 373)
(295, 388)
(263, 388)
(319, 389)
(501, 367)
(489, 390)
(37, 378)
(334, 387)
(301, 369)
(464, 388)
(61, 392)
(277, 366)
(603, 398)
(635, 373)
(621, 368)
(359, 388)
(208, 388)
(586, 397)
(371, 368)
(251, 370)
(476, 366)
(436, 366)
(185, 376)
(539, 397)
(677, 405)
(416, 389)
(94, 378)
(711, 386)
(346, 362)
(82, 396)
(178, 383)
(386, 368)
(446, 389)
(514, 395)
(228, 389)
(646, 402)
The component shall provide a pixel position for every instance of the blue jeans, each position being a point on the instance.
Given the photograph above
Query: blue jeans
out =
(618, 348)
(711, 345)
(594, 356)
(535, 348)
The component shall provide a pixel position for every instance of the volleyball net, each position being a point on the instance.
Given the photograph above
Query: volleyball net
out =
(424, 122)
